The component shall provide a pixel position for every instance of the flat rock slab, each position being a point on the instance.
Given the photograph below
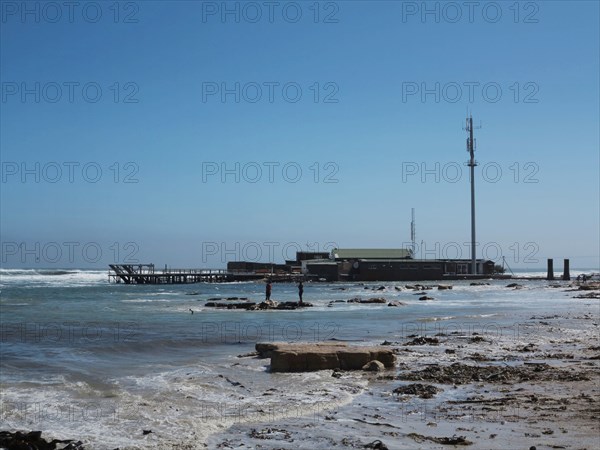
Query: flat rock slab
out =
(309, 357)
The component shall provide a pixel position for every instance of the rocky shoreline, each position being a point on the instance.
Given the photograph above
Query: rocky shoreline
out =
(536, 391)
(491, 390)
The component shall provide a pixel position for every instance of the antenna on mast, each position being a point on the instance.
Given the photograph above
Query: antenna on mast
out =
(413, 234)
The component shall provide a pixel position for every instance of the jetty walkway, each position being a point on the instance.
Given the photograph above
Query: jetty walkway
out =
(147, 274)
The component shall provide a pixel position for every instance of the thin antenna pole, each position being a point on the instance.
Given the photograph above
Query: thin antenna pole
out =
(504, 262)
(472, 163)
(413, 232)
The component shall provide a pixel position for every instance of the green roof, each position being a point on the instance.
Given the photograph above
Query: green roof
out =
(371, 253)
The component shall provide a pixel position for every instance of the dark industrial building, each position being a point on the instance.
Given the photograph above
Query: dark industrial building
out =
(390, 265)
(365, 264)
(257, 267)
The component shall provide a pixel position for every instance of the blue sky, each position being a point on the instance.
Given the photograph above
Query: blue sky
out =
(366, 99)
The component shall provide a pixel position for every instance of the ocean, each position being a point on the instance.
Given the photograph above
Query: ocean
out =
(99, 362)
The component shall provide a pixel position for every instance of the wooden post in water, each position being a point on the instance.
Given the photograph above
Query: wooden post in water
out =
(566, 271)
(550, 275)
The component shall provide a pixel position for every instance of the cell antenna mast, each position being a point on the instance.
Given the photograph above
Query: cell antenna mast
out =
(472, 163)
(413, 232)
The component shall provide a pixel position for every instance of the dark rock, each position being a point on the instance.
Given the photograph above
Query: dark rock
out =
(34, 435)
(423, 340)
(265, 349)
(422, 390)
(367, 300)
(145, 432)
(396, 303)
(376, 445)
(459, 373)
(33, 441)
(271, 433)
(527, 348)
(454, 440)
(589, 287)
(266, 305)
(425, 297)
(418, 287)
(373, 366)
(245, 305)
(442, 287)
(589, 295)
(293, 305)
(478, 357)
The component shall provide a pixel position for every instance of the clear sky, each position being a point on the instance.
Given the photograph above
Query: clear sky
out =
(192, 133)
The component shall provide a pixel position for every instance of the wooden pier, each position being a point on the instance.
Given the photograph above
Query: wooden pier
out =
(146, 274)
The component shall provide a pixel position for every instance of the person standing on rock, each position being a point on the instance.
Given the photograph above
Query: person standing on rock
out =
(268, 291)
(300, 292)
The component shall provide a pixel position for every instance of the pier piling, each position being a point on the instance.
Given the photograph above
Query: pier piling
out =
(566, 271)
(550, 275)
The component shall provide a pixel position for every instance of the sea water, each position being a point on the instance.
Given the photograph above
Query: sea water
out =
(82, 358)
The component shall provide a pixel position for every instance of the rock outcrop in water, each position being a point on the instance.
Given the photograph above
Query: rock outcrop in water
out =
(367, 300)
(33, 440)
(263, 306)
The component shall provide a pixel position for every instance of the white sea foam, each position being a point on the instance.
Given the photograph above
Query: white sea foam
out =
(146, 300)
(184, 405)
(51, 277)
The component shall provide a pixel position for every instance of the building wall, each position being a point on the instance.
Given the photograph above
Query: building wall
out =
(249, 266)
(304, 256)
(396, 271)
(408, 270)
(328, 271)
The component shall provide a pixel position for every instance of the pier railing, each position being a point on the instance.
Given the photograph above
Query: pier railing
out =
(146, 274)
(194, 271)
